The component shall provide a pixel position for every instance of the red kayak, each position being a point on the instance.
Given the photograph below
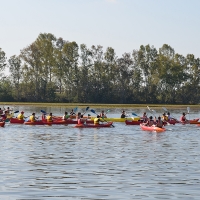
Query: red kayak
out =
(132, 122)
(39, 122)
(16, 121)
(2, 124)
(151, 128)
(109, 124)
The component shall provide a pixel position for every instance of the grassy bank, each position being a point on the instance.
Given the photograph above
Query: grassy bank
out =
(91, 105)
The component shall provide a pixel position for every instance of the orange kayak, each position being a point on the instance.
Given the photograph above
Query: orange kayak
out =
(151, 128)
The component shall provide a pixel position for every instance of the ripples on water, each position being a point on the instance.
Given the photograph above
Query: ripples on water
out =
(61, 162)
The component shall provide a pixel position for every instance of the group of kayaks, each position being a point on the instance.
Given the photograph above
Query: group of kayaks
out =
(89, 123)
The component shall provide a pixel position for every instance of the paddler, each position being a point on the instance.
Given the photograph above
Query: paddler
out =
(102, 114)
(97, 120)
(20, 116)
(66, 116)
(159, 123)
(183, 118)
(123, 115)
(49, 118)
(32, 117)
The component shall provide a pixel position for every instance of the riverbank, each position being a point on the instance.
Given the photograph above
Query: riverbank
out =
(92, 105)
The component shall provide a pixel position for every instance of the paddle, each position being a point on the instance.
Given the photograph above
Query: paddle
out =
(93, 111)
(152, 111)
(188, 110)
(86, 110)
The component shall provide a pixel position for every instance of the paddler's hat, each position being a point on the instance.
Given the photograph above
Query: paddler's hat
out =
(22, 111)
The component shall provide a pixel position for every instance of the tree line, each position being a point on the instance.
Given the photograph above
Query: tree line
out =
(55, 70)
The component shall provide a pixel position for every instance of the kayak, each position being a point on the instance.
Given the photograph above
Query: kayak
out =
(116, 119)
(151, 128)
(132, 122)
(16, 121)
(2, 124)
(109, 124)
(40, 122)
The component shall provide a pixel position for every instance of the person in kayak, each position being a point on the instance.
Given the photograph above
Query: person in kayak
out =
(49, 117)
(183, 118)
(1, 111)
(150, 122)
(20, 116)
(159, 123)
(32, 117)
(102, 114)
(72, 112)
(78, 118)
(144, 117)
(66, 116)
(8, 110)
(4, 116)
(123, 115)
(97, 120)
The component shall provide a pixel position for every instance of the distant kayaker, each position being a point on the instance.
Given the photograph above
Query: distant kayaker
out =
(102, 114)
(183, 118)
(5, 115)
(159, 122)
(20, 116)
(123, 115)
(8, 110)
(97, 120)
(65, 116)
(32, 117)
(144, 117)
(72, 112)
(78, 118)
(49, 117)
(1, 111)
(165, 117)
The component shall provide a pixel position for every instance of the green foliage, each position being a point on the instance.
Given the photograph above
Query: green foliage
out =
(54, 70)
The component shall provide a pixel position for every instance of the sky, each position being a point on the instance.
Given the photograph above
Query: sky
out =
(121, 24)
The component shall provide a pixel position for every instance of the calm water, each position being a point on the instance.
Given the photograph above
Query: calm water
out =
(62, 162)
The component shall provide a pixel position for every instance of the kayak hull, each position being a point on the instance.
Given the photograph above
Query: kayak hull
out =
(109, 124)
(16, 121)
(131, 122)
(151, 128)
(2, 124)
(115, 119)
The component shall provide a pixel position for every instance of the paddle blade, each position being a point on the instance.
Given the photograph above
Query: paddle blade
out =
(188, 110)
(75, 109)
(93, 111)
(134, 114)
(43, 111)
(165, 109)
(16, 111)
(87, 108)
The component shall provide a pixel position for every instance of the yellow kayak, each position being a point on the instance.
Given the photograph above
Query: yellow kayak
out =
(119, 119)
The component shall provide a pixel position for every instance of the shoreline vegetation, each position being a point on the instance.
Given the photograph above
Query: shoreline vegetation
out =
(52, 69)
(95, 105)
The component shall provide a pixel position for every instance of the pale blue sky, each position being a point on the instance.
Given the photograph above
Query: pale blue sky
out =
(121, 24)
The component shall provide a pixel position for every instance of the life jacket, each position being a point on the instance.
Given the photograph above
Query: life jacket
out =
(183, 118)
(32, 118)
(49, 118)
(96, 120)
(20, 116)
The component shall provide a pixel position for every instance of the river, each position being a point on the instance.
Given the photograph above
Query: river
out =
(123, 162)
